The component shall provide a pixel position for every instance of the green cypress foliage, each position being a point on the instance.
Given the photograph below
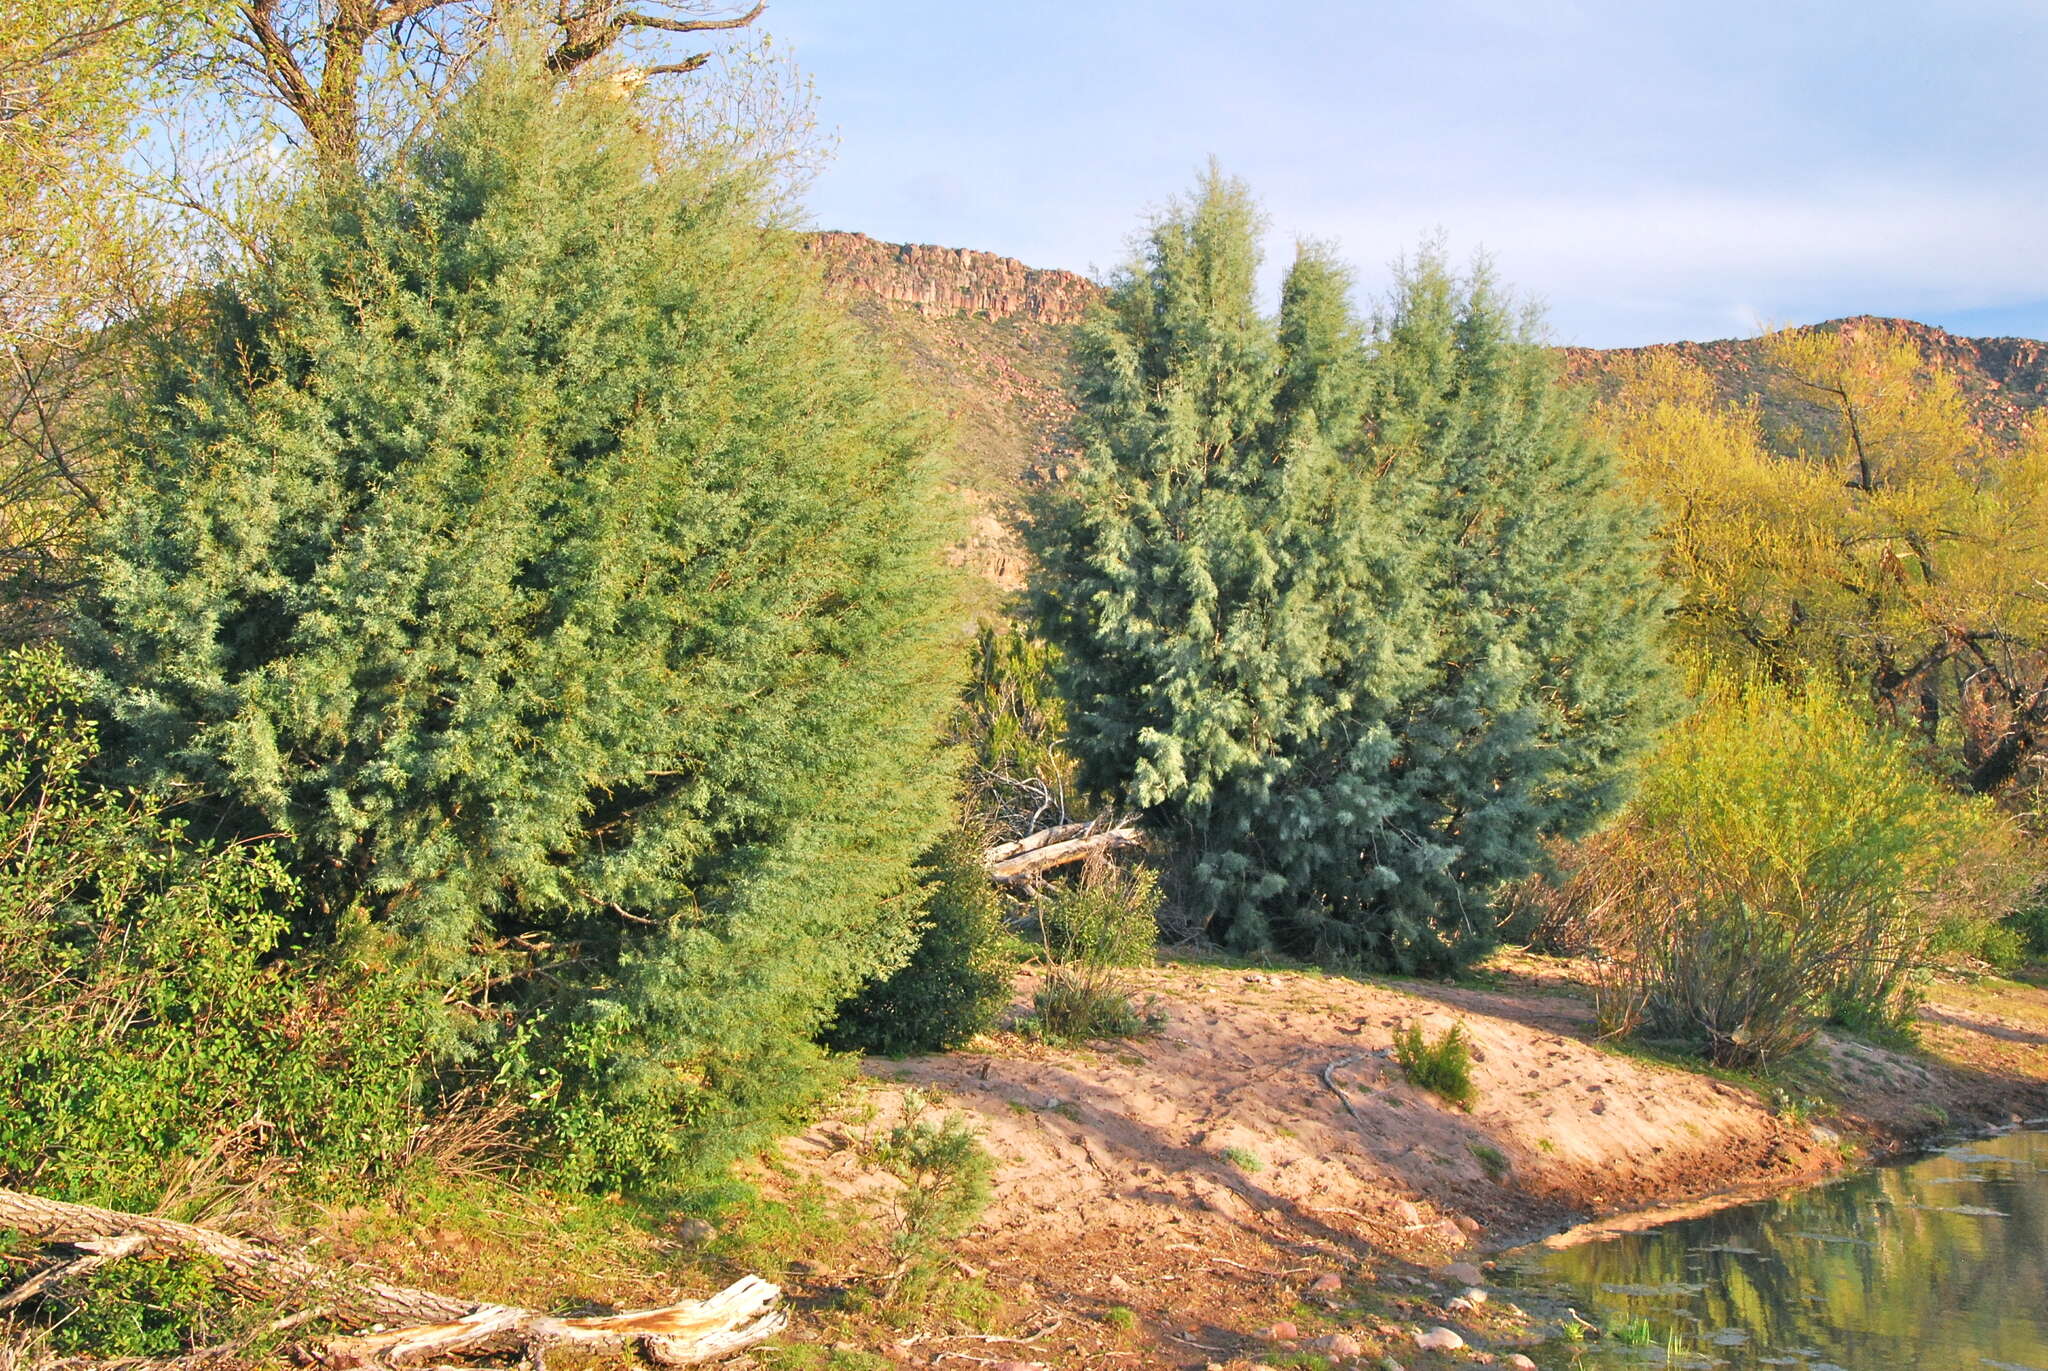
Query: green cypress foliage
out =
(530, 544)
(957, 982)
(1315, 598)
(1547, 682)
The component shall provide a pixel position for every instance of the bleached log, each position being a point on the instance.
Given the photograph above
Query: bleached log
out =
(1019, 866)
(430, 1325)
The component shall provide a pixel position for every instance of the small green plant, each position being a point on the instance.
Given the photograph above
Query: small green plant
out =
(1491, 1160)
(1633, 1331)
(1120, 1317)
(1443, 1067)
(1244, 1159)
(945, 1174)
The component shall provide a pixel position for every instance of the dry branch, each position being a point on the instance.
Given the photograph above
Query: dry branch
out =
(1016, 862)
(431, 1325)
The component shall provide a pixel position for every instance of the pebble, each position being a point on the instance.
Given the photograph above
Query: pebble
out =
(1406, 1212)
(1474, 1294)
(1464, 1273)
(1458, 1304)
(1021, 1366)
(694, 1232)
(1520, 1362)
(1120, 1285)
(1338, 1345)
(1389, 1364)
(1439, 1340)
(1282, 1331)
(1329, 1283)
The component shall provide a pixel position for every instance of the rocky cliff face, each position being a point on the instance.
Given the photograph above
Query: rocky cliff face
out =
(941, 282)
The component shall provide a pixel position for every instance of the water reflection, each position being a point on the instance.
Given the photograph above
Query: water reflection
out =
(1938, 1264)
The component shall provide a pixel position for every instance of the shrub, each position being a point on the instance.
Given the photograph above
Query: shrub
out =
(1443, 1067)
(1358, 625)
(531, 542)
(148, 1040)
(1109, 917)
(945, 1172)
(1795, 863)
(956, 982)
(1082, 1003)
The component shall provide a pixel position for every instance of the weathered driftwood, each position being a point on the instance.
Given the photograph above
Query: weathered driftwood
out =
(1014, 863)
(430, 1325)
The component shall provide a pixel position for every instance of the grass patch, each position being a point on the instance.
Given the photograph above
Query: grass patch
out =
(1443, 1067)
(1080, 1004)
(1243, 1159)
(1491, 1160)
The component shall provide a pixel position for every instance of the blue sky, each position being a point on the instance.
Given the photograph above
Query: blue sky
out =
(1647, 170)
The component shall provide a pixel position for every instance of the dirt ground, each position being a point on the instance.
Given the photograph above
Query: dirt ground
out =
(1258, 1180)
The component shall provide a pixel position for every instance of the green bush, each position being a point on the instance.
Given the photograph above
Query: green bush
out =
(149, 1041)
(945, 1174)
(956, 982)
(1443, 1067)
(2029, 928)
(141, 1307)
(530, 540)
(1108, 917)
(1792, 862)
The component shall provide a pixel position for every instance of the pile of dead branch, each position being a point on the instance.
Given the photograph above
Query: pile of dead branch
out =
(394, 1325)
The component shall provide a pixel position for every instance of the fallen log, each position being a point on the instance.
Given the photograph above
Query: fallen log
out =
(1017, 862)
(430, 1325)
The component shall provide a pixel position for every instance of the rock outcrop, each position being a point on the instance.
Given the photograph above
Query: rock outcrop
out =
(937, 282)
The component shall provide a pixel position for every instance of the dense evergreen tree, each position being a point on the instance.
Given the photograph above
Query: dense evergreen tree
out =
(1356, 626)
(530, 545)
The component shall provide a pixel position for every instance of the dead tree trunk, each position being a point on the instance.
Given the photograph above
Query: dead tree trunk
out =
(431, 1325)
(1017, 862)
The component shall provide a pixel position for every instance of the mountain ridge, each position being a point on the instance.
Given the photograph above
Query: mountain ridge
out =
(988, 342)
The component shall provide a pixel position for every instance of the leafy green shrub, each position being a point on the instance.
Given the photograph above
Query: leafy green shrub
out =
(945, 1173)
(1109, 917)
(2029, 928)
(1443, 1067)
(956, 982)
(529, 540)
(1791, 862)
(146, 1034)
(140, 1307)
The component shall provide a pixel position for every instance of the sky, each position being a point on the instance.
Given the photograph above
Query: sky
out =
(1645, 170)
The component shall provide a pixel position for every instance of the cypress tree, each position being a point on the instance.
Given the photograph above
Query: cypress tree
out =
(1357, 624)
(528, 542)
(1547, 681)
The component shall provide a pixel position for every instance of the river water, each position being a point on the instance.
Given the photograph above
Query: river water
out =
(1938, 1264)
